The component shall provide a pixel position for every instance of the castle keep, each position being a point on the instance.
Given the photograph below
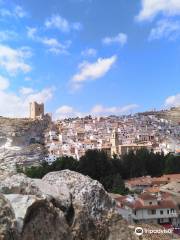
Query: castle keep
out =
(36, 110)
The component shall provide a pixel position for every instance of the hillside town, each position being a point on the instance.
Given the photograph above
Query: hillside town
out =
(149, 202)
(116, 135)
(152, 200)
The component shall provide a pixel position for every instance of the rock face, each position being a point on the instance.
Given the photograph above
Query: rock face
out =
(90, 204)
(63, 205)
(21, 142)
(8, 228)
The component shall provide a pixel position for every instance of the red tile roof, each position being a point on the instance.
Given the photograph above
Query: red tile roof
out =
(147, 196)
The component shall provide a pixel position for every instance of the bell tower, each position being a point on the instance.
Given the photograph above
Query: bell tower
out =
(114, 142)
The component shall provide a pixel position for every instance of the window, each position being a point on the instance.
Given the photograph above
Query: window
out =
(172, 210)
(167, 211)
(134, 212)
(153, 212)
(150, 203)
(161, 212)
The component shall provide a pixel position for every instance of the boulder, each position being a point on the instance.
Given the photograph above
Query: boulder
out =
(8, 228)
(91, 204)
(63, 205)
(86, 192)
(20, 184)
(38, 219)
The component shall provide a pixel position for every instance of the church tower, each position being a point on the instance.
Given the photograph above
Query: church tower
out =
(114, 143)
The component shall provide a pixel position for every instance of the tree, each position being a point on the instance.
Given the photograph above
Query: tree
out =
(95, 164)
(118, 185)
(39, 171)
(172, 164)
(65, 163)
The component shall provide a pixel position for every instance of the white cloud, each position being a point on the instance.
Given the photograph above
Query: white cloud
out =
(19, 12)
(27, 79)
(26, 90)
(92, 71)
(53, 45)
(31, 32)
(17, 105)
(121, 39)
(173, 101)
(89, 52)
(16, 12)
(62, 24)
(66, 111)
(101, 110)
(13, 60)
(58, 22)
(41, 96)
(151, 8)
(165, 29)
(7, 35)
(4, 83)
(76, 26)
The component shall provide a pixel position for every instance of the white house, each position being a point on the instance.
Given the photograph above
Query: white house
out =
(148, 208)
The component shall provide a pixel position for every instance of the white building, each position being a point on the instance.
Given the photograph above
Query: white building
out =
(149, 208)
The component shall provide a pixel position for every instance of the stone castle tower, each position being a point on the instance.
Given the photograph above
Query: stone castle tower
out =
(114, 143)
(36, 110)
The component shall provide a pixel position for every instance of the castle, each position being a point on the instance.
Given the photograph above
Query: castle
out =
(36, 110)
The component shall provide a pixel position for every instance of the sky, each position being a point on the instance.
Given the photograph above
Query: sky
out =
(98, 57)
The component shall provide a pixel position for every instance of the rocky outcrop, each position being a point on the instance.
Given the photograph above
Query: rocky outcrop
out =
(21, 142)
(91, 204)
(38, 219)
(8, 227)
(63, 205)
(20, 184)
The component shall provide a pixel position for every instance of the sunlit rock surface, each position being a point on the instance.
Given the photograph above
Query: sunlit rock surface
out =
(63, 205)
(21, 142)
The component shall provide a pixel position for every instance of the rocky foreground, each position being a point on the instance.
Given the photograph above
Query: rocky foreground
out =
(63, 205)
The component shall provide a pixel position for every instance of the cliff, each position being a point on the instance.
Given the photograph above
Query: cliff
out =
(21, 142)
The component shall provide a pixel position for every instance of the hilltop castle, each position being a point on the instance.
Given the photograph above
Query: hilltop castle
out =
(36, 110)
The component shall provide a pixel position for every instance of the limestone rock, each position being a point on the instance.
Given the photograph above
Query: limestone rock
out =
(8, 230)
(91, 204)
(38, 219)
(62, 206)
(85, 191)
(20, 184)
(21, 142)
(119, 230)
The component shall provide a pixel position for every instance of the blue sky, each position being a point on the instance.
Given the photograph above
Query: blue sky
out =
(89, 57)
